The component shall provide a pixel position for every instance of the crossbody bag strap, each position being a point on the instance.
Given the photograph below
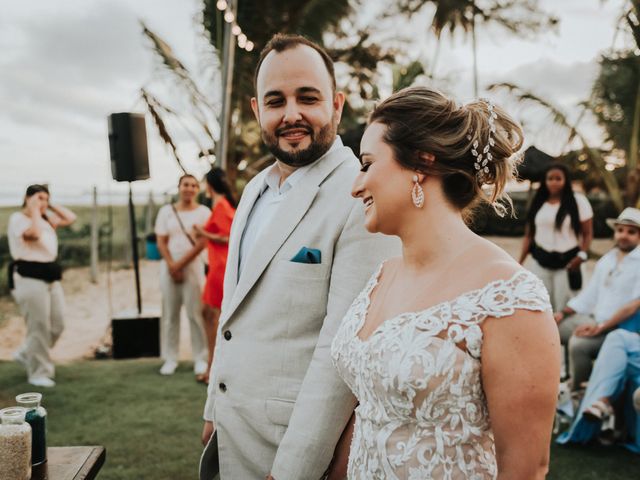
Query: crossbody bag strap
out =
(184, 230)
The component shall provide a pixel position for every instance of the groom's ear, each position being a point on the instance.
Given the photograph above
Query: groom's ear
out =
(338, 105)
(254, 107)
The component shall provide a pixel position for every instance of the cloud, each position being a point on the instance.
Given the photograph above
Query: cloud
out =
(73, 68)
(566, 84)
(64, 70)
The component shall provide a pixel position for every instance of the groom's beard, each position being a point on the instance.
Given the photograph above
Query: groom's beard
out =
(321, 142)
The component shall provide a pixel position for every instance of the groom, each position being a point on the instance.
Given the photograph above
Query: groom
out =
(298, 256)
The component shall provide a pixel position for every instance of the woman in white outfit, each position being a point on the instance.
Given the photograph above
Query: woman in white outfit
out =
(450, 348)
(558, 235)
(35, 277)
(182, 275)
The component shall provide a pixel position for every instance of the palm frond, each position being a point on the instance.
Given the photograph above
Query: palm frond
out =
(151, 103)
(561, 120)
(178, 70)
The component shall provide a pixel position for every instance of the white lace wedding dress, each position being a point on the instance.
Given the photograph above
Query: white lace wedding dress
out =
(422, 412)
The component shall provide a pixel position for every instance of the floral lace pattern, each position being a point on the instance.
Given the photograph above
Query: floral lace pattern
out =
(422, 412)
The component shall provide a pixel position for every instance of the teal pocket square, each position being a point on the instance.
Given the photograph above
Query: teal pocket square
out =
(307, 255)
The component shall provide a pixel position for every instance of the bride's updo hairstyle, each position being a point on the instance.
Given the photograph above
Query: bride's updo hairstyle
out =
(422, 120)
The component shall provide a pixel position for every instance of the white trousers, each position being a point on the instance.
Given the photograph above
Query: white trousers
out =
(42, 305)
(174, 296)
(557, 284)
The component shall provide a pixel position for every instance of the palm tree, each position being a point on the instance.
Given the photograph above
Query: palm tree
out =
(560, 119)
(517, 16)
(616, 98)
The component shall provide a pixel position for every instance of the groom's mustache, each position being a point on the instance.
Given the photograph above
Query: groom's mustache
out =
(297, 126)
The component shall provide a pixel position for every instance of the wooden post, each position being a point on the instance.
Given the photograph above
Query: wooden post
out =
(94, 237)
(228, 57)
(148, 220)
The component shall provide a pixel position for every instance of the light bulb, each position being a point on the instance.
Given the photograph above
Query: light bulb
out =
(249, 46)
(221, 5)
(236, 30)
(229, 17)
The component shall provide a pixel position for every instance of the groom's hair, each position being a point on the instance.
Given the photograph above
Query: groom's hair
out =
(281, 42)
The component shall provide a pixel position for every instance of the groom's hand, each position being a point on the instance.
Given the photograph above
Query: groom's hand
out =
(207, 431)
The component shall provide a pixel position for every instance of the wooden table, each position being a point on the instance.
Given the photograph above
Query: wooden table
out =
(71, 463)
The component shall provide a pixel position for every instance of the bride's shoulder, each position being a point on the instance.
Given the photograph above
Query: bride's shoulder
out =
(489, 263)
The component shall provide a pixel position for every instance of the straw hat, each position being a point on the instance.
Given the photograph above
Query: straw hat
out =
(629, 216)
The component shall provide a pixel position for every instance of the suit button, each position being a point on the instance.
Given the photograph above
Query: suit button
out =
(223, 387)
(227, 335)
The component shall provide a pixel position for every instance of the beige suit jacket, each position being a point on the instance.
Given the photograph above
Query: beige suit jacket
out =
(276, 400)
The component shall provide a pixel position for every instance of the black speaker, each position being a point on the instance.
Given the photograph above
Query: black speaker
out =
(135, 335)
(128, 147)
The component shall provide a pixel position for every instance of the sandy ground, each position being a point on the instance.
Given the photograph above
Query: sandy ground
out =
(90, 306)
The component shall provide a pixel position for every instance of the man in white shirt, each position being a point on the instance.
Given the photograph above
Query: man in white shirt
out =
(298, 256)
(600, 307)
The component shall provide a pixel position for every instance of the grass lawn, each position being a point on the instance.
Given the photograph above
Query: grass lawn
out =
(150, 425)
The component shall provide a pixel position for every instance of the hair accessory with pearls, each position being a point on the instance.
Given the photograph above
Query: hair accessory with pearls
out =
(482, 158)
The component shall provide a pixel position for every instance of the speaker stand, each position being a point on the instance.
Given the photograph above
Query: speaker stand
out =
(134, 246)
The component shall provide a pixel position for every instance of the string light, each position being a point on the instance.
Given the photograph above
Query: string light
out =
(229, 17)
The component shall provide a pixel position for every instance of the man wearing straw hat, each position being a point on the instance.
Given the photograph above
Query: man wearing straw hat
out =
(601, 306)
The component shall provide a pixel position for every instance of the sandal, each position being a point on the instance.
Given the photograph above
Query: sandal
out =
(599, 411)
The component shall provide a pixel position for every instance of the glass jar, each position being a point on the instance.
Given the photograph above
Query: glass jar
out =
(36, 417)
(15, 444)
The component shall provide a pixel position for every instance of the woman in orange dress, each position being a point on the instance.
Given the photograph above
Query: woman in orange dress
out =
(216, 230)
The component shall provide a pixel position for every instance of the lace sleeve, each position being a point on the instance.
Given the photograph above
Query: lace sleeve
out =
(523, 291)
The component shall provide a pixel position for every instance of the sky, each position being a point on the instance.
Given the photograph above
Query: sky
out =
(66, 65)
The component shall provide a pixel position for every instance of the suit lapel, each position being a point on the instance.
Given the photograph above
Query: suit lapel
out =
(289, 214)
(249, 198)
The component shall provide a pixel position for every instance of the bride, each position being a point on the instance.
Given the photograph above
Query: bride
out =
(451, 350)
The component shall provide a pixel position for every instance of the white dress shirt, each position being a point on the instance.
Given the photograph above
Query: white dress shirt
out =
(613, 284)
(266, 206)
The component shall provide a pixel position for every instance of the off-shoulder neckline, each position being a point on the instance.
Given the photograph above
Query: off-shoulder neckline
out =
(376, 279)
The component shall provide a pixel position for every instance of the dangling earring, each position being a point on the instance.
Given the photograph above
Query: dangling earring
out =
(417, 194)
